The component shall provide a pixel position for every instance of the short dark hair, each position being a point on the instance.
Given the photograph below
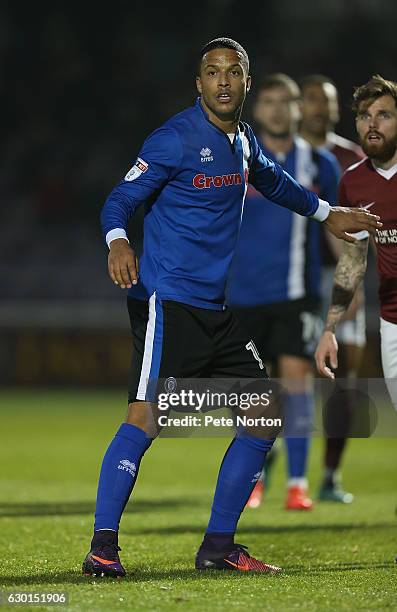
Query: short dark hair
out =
(315, 79)
(279, 79)
(376, 87)
(225, 43)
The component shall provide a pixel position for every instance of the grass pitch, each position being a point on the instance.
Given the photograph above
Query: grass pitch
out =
(335, 557)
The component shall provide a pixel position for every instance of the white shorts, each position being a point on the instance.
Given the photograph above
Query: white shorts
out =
(388, 344)
(347, 332)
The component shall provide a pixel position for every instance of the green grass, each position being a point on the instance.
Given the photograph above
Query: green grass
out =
(335, 558)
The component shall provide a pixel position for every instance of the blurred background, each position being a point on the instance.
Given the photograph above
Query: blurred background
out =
(81, 88)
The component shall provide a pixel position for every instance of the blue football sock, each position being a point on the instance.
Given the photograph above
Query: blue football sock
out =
(241, 467)
(118, 475)
(299, 418)
(298, 449)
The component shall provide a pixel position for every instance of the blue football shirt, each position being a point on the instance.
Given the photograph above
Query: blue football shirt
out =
(277, 257)
(192, 180)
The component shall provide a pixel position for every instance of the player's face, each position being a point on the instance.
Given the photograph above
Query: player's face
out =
(320, 110)
(276, 112)
(223, 84)
(377, 128)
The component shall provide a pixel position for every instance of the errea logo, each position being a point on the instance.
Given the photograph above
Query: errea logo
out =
(206, 155)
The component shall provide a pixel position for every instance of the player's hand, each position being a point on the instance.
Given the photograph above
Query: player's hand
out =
(342, 220)
(327, 349)
(122, 264)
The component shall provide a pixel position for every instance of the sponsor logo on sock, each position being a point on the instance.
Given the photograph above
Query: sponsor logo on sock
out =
(127, 466)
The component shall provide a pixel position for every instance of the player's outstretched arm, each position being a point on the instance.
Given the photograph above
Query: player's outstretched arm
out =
(122, 263)
(342, 221)
(278, 186)
(349, 273)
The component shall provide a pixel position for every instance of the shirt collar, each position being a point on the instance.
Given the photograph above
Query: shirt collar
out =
(205, 114)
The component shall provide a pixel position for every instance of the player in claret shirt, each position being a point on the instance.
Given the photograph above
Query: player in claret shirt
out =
(191, 175)
(371, 185)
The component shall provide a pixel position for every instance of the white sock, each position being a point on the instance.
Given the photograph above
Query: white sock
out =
(302, 483)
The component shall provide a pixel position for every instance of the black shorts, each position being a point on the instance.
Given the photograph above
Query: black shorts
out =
(175, 340)
(283, 328)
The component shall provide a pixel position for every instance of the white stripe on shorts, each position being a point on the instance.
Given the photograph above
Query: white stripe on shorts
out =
(148, 350)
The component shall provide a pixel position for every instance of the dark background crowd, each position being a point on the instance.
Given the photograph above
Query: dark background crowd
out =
(84, 83)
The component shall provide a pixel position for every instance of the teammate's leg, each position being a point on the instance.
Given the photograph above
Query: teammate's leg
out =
(296, 373)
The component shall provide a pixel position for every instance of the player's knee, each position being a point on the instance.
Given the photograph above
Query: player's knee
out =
(295, 372)
(141, 414)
